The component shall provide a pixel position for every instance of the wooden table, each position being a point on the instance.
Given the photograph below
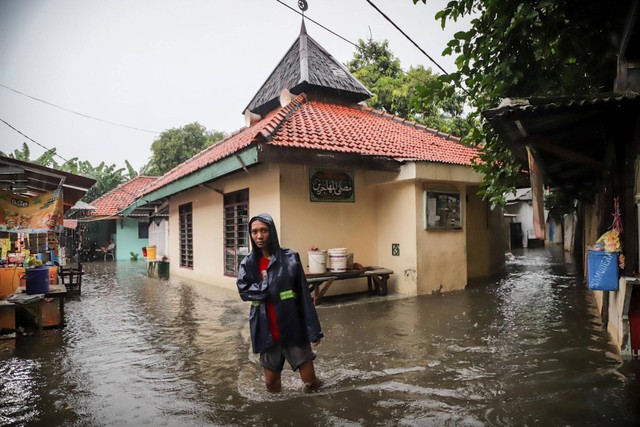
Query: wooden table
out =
(377, 278)
(31, 311)
(158, 268)
(152, 266)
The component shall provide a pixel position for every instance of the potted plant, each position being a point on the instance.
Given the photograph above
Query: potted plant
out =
(134, 256)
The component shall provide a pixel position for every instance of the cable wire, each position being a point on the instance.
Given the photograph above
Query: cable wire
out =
(344, 38)
(357, 47)
(408, 38)
(415, 44)
(33, 140)
(75, 112)
(317, 23)
(56, 154)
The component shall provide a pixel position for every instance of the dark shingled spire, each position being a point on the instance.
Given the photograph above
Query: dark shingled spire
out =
(306, 67)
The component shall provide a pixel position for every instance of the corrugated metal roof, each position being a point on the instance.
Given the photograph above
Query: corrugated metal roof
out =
(540, 105)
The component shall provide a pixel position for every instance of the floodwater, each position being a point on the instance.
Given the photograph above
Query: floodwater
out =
(526, 348)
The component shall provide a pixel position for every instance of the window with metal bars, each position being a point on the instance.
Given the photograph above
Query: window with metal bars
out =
(143, 230)
(186, 235)
(236, 232)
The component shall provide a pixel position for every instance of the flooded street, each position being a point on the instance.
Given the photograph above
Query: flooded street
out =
(526, 348)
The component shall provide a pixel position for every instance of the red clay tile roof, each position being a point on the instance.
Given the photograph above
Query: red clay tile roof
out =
(332, 127)
(315, 125)
(114, 201)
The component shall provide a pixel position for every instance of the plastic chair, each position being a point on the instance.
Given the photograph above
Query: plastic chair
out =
(109, 254)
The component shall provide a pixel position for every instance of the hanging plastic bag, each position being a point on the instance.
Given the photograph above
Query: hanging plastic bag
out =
(609, 242)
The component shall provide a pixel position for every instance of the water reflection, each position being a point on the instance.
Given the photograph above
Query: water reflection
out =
(524, 348)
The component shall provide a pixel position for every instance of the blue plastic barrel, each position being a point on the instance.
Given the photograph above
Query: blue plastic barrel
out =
(37, 280)
(603, 270)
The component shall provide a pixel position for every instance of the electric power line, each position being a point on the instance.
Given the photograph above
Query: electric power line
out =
(357, 47)
(33, 140)
(56, 154)
(75, 112)
(317, 23)
(407, 37)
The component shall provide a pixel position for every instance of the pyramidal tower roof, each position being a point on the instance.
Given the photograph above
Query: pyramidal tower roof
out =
(306, 67)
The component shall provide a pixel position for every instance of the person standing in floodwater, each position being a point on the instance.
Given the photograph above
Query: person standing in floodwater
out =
(283, 320)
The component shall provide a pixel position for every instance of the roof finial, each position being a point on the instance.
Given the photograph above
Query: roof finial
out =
(302, 4)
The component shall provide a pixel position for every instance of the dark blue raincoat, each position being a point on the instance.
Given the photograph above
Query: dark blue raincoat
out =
(286, 286)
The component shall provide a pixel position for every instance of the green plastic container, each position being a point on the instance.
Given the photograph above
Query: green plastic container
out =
(163, 269)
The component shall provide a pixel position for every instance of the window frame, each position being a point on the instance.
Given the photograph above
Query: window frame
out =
(442, 210)
(143, 226)
(185, 226)
(235, 230)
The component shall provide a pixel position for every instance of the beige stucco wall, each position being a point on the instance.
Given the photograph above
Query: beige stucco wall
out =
(263, 184)
(329, 225)
(389, 209)
(442, 259)
(487, 236)
(397, 207)
(207, 217)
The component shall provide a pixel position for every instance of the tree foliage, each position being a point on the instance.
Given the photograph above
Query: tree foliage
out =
(107, 178)
(416, 95)
(171, 148)
(176, 145)
(24, 154)
(523, 49)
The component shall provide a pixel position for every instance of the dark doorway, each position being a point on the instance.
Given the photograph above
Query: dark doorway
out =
(515, 229)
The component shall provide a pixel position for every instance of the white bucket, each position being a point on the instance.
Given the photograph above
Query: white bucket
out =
(338, 258)
(317, 262)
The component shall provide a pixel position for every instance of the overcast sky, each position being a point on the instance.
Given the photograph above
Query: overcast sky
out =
(159, 64)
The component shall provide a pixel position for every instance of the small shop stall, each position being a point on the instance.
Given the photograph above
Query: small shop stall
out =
(33, 201)
(29, 258)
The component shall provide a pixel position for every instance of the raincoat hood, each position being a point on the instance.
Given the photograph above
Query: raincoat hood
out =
(274, 242)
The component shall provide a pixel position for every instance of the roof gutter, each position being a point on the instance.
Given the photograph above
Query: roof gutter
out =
(228, 165)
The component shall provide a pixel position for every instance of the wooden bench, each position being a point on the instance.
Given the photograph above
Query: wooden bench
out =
(377, 278)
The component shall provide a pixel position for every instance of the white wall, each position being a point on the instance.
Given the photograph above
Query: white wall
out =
(159, 237)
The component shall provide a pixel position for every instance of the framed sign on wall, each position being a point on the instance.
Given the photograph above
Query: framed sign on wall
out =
(443, 210)
(331, 185)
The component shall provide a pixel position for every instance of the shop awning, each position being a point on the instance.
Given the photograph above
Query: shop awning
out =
(29, 180)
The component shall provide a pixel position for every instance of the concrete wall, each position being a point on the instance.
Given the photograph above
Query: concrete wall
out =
(329, 225)
(569, 232)
(442, 257)
(208, 263)
(127, 240)
(616, 323)
(399, 210)
(557, 231)
(487, 236)
(389, 209)
(524, 215)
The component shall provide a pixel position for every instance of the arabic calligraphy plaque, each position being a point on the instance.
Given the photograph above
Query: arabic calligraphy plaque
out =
(331, 186)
